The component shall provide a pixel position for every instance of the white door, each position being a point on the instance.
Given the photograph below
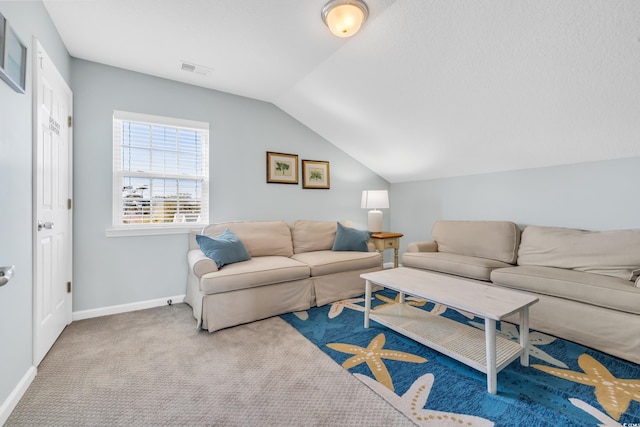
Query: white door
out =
(52, 254)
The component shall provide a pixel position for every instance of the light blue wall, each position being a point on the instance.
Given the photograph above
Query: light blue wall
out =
(594, 196)
(28, 19)
(117, 270)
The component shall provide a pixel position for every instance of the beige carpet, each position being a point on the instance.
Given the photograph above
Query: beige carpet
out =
(153, 368)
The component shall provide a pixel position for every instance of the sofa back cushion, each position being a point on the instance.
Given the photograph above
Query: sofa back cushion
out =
(611, 253)
(496, 240)
(309, 236)
(261, 238)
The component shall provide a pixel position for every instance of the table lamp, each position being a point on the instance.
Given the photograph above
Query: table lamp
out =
(374, 200)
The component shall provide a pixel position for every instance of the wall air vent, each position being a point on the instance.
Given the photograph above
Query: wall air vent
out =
(193, 68)
(188, 67)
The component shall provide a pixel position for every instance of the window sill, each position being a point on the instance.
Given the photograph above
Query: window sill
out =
(150, 231)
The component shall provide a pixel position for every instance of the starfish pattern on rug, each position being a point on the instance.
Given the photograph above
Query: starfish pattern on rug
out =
(409, 300)
(412, 404)
(338, 306)
(603, 418)
(372, 355)
(612, 393)
(318, 328)
(419, 302)
(302, 315)
(510, 332)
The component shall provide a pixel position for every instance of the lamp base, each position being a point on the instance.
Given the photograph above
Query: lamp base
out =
(374, 221)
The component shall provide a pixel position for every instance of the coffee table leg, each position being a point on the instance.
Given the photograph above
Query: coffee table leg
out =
(490, 336)
(524, 336)
(367, 302)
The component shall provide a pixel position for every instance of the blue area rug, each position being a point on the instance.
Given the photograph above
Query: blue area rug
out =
(566, 384)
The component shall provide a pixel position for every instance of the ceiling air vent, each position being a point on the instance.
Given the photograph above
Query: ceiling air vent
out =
(193, 68)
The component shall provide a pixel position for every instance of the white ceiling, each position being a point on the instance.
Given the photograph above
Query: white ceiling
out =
(427, 89)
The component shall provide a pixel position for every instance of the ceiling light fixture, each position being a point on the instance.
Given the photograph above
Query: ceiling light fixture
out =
(345, 17)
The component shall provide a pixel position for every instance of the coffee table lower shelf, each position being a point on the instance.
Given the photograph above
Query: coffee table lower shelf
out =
(456, 340)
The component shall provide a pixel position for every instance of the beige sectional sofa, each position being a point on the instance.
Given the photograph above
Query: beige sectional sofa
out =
(586, 281)
(292, 268)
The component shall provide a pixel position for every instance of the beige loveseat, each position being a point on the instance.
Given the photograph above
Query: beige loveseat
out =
(586, 281)
(292, 268)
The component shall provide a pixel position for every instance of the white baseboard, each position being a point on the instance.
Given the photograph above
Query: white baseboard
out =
(14, 397)
(124, 308)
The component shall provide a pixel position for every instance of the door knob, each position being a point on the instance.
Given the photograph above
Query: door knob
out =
(5, 274)
(47, 225)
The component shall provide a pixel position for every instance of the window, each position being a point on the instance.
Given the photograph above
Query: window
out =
(160, 173)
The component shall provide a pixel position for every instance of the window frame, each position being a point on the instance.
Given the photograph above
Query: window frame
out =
(118, 228)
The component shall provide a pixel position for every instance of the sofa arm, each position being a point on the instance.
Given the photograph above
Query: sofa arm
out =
(199, 263)
(430, 246)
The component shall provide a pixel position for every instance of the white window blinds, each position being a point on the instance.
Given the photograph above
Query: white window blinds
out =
(160, 171)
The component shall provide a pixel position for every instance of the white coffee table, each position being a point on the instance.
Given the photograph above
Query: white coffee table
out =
(483, 351)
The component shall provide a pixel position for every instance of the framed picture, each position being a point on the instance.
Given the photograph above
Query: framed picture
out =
(13, 57)
(315, 174)
(282, 168)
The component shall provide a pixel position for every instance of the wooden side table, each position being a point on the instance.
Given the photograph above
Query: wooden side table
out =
(387, 240)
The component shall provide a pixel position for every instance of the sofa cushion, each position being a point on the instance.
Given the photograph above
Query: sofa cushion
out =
(330, 262)
(224, 249)
(594, 289)
(261, 238)
(311, 236)
(611, 253)
(460, 265)
(258, 271)
(351, 239)
(497, 240)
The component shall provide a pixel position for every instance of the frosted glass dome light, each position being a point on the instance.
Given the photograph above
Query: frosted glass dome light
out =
(345, 17)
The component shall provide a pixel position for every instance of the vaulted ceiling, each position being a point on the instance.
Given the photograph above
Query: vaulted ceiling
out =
(427, 88)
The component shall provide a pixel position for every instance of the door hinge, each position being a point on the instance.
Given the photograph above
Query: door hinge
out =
(70, 121)
(68, 203)
(68, 287)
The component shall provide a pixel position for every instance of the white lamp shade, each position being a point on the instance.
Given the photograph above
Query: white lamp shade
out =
(375, 199)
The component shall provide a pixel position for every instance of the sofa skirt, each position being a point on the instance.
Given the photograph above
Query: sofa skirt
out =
(233, 308)
(339, 286)
(610, 331)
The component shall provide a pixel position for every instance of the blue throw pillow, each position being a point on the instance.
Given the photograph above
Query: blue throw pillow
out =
(224, 249)
(351, 239)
